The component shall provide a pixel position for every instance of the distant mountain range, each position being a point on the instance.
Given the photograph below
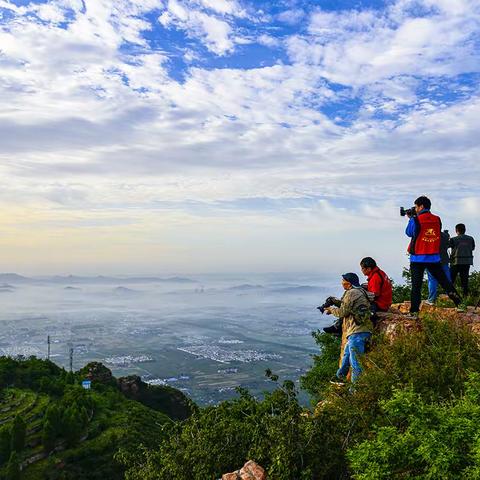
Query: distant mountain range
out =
(13, 278)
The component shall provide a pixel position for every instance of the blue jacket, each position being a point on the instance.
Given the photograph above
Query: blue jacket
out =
(411, 231)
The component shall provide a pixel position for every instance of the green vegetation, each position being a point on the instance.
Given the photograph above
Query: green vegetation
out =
(413, 414)
(409, 386)
(51, 428)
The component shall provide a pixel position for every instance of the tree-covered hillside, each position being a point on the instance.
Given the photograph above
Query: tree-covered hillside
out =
(51, 428)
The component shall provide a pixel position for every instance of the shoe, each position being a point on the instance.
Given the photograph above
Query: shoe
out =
(462, 308)
(338, 382)
(412, 316)
(333, 330)
(429, 302)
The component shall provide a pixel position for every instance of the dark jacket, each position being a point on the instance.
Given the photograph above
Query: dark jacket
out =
(444, 245)
(462, 250)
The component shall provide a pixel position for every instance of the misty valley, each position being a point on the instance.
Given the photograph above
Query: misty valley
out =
(203, 335)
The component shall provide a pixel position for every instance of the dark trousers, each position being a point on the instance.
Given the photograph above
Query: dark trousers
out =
(417, 270)
(463, 271)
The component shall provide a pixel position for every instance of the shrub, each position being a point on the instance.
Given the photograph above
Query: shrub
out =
(423, 440)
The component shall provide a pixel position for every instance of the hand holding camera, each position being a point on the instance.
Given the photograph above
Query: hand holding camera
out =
(409, 212)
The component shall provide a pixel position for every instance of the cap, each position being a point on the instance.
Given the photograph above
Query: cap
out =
(351, 278)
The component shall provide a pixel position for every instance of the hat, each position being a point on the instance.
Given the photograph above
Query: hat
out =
(351, 278)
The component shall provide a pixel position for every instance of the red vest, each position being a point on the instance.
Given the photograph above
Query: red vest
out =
(427, 241)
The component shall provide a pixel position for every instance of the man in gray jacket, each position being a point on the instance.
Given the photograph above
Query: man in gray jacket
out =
(461, 257)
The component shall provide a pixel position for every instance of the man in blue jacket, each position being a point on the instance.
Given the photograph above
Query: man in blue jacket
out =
(424, 229)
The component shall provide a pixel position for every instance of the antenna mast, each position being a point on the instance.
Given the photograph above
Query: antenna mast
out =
(71, 359)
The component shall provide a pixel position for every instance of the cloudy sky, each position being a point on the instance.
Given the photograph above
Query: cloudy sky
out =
(150, 136)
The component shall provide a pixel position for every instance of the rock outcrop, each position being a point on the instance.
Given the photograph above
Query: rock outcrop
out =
(250, 471)
(398, 320)
(98, 372)
(162, 398)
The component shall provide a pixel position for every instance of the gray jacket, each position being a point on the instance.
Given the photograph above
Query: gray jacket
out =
(462, 250)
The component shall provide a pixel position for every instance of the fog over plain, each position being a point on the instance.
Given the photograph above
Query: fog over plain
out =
(205, 335)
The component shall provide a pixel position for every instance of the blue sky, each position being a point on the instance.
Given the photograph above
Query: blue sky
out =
(232, 135)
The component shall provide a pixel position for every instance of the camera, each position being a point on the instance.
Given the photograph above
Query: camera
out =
(329, 302)
(411, 212)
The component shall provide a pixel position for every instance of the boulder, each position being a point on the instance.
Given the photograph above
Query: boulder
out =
(250, 471)
(131, 385)
(162, 398)
(97, 372)
(390, 322)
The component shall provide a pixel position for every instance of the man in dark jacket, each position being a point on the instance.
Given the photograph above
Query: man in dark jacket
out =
(424, 229)
(462, 256)
(444, 260)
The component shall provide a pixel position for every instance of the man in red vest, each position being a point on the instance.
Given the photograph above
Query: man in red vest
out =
(425, 229)
(378, 283)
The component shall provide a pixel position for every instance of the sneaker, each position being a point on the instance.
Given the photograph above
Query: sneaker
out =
(333, 329)
(429, 302)
(338, 382)
(412, 316)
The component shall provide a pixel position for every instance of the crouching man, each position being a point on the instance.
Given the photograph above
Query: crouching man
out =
(357, 324)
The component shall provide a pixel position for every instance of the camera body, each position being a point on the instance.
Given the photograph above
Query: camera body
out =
(329, 302)
(411, 212)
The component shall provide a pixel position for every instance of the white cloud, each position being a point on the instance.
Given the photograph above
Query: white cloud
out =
(268, 41)
(216, 33)
(91, 130)
(224, 7)
(361, 47)
(292, 16)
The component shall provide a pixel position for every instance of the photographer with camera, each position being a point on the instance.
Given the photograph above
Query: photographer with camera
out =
(336, 327)
(424, 229)
(355, 311)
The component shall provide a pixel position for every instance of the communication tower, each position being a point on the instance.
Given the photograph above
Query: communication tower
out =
(71, 359)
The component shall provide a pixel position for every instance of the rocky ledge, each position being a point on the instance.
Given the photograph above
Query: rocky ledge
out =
(397, 319)
(250, 471)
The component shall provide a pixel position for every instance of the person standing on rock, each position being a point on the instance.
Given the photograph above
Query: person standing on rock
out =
(378, 283)
(462, 256)
(357, 324)
(444, 260)
(424, 229)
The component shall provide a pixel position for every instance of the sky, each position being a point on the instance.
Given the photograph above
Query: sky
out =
(188, 136)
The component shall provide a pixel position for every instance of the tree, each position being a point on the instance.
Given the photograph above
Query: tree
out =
(12, 472)
(49, 436)
(72, 425)
(423, 439)
(5, 439)
(19, 432)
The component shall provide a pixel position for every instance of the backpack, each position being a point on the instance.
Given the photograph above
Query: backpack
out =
(363, 313)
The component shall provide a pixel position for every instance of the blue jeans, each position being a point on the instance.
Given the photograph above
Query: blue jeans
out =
(433, 283)
(355, 346)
